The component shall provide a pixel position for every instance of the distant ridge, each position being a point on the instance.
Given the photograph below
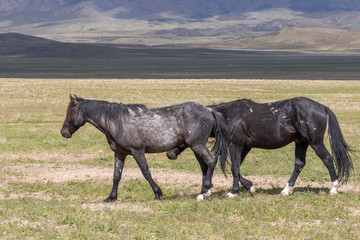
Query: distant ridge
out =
(15, 44)
(294, 39)
(310, 39)
(17, 38)
(27, 56)
(171, 21)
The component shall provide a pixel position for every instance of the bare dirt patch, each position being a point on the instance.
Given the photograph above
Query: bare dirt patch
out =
(71, 172)
(65, 170)
(46, 156)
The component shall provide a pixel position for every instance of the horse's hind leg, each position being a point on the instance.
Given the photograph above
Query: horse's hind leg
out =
(204, 169)
(141, 161)
(300, 156)
(207, 163)
(118, 168)
(248, 185)
(237, 155)
(327, 159)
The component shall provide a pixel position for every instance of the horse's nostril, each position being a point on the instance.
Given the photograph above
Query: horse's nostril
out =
(65, 134)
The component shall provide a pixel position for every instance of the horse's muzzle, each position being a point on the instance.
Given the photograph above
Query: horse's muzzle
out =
(65, 133)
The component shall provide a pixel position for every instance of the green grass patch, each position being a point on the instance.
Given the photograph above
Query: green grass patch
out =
(32, 114)
(303, 215)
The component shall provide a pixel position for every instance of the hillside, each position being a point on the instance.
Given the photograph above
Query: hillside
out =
(315, 39)
(14, 44)
(27, 56)
(171, 21)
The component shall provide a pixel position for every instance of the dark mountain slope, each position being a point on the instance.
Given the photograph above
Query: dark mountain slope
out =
(14, 44)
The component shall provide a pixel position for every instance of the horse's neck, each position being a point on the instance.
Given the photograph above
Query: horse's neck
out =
(100, 120)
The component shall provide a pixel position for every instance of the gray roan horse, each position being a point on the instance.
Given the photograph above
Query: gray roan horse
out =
(274, 125)
(136, 130)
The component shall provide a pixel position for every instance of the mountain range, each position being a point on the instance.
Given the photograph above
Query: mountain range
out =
(171, 21)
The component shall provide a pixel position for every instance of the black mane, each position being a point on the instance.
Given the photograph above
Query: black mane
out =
(110, 108)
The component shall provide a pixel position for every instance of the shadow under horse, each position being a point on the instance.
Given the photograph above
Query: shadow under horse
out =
(135, 130)
(274, 125)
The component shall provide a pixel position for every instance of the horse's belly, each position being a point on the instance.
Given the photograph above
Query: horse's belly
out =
(273, 142)
(154, 133)
(161, 140)
(158, 144)
(270, 138)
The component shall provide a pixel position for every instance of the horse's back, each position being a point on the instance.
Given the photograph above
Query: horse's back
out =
(161, 129)
(190, 112)
(272, 125)
(193, 118)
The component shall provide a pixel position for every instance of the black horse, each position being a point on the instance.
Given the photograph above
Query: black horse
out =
(274, 125)
(136, 130)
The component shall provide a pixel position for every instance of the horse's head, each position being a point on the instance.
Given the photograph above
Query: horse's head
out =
(74, 118)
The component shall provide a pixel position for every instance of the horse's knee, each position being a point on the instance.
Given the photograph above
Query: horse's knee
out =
(116, 178)
(235, 170)
(207, 184)
(328, 161)
(299, 165)
(212, 164)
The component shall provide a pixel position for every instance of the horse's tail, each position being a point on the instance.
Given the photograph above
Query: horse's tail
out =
(339, 148)
(220, 146)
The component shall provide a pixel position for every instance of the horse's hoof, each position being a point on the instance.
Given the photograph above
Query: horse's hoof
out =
(333, 190)
(284, 194)
(200, 198)
(252, 191)
(207, 195)
(110, 199)
(287, 191)
(171, 155)
(231, 195)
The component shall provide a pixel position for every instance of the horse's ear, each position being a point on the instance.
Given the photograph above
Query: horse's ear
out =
(73, 100)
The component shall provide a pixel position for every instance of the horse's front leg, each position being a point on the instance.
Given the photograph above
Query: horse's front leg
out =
(118, 168)
(139, 156)
(300, 161)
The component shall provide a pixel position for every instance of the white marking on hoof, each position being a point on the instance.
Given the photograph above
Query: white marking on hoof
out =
(208, 194)
(335, 183)
(231, 195)
(287, 190)
(200, 198)
(333, 190)
(252, 190)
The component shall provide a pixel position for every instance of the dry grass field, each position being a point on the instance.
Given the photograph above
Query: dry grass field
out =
(53, 188)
